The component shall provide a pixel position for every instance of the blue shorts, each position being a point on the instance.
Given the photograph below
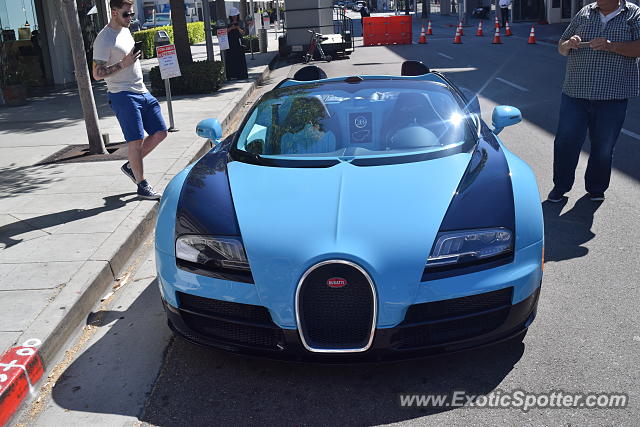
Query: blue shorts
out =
(137, 113)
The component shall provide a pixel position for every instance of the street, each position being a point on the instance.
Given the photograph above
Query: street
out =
(126, 368)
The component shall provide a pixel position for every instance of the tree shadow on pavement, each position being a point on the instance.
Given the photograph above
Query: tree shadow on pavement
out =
(565, 234)
(200, 386)
(52, 109)
(8, 231)
(18, 181)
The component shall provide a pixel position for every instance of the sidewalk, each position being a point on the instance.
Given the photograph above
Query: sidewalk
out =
(67, 230)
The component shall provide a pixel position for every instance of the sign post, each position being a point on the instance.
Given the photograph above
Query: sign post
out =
(223, 43)
(169, 68)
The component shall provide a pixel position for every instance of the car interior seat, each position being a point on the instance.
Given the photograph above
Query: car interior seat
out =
(412, 110)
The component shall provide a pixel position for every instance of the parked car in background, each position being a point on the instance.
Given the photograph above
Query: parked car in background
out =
(159, 20)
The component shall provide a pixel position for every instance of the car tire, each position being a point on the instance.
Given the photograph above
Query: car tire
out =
(328, 58)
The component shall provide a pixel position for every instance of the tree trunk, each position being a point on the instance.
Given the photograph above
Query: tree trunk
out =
(243, 10)
(180, 36)
(221, 12)
(70, 14)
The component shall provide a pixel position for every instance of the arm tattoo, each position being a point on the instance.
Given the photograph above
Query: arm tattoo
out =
(102, 70)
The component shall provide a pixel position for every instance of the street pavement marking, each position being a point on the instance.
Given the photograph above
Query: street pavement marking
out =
(507, 82)
(455, 70)
(631, 134)
(446, 56)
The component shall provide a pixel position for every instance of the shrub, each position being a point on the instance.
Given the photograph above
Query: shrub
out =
(197, 77)
(254, 42)
(195, 32)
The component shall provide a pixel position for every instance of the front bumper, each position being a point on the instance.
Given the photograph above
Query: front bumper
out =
(258, 335)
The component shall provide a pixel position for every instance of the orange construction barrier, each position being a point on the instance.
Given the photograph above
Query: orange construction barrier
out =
(532, 36)
(423, 37)
(479, 32)
(457, 39)
(507, 31)
(387, 30)
(429, 31)
(496, 37)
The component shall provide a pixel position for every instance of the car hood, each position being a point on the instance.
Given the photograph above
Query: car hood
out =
(384, 218)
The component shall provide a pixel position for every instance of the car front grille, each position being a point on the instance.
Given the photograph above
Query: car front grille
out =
(336, 318)
(442, 322)
(230, 322)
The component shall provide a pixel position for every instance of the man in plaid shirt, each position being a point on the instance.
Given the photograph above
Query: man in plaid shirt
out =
(603, 45)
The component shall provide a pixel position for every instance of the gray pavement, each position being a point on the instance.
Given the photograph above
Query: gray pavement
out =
(67, 230)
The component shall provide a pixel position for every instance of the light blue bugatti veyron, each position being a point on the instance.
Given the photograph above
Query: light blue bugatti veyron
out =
(353, 218)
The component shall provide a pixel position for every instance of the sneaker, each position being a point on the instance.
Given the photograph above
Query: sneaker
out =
(555, 195)
(145, 191)
(596, 197)
(126, 169)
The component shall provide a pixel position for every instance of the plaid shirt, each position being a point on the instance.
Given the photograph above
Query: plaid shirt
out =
(600, 75)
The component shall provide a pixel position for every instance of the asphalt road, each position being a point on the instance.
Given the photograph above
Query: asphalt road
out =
(127, 369)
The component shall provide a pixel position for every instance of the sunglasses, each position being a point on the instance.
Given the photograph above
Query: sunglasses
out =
(128, 14)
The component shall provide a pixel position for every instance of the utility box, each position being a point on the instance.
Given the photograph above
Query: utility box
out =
(304, 15)
(161, 38)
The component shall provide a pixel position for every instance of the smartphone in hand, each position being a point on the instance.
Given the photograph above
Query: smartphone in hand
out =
(137, 48)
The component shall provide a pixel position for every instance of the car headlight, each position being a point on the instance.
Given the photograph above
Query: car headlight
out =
(212, 252)
(468, 246)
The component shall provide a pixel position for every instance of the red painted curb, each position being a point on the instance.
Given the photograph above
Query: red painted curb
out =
(20, 369)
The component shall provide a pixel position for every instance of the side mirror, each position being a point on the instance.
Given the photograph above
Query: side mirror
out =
(503, 116)
(210, 129)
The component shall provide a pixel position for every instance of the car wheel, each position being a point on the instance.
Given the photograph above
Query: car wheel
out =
(328, 58)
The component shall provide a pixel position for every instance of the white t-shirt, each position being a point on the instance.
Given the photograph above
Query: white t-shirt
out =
(111, 46)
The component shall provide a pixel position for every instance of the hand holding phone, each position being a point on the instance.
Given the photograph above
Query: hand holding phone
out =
(137, 48)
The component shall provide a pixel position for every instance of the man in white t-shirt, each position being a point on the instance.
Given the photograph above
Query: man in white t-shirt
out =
(116, 61)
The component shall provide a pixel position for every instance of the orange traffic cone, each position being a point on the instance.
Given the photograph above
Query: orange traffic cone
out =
(496, 38)
(479, 32)
(460, 28)
(457, 39)
(497, 25)
(507, 31)
(423, 37)
(532, 36)
(429, 31)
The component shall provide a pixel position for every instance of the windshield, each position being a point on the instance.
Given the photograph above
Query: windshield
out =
(371, 118)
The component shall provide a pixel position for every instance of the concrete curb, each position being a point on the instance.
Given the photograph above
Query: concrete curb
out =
(55, 325)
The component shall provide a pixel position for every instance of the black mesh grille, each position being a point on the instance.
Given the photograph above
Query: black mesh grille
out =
(229, 310)
(336, 317)
(448, 331)
(453, 320)
(458, 306)
(233, 332)
(234, 323)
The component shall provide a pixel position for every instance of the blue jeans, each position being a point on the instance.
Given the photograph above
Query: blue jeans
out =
(603, 120)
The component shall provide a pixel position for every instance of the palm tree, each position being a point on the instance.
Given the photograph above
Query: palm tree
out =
(180, 35)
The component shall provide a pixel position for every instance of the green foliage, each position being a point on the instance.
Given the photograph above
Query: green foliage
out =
(254, 42)
(195, 32)
(198, 77)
